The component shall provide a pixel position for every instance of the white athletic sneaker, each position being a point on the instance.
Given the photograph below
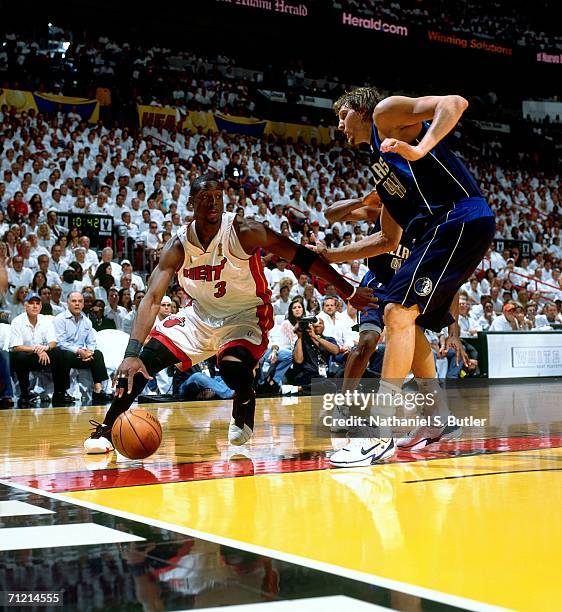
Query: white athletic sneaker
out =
(239, 436)
(420, 437)
(99, 441)
(363, 451)
(241, 427)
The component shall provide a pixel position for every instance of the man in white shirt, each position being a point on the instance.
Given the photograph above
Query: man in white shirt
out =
(33, 347)
(56, 264)
(151, 238)
(300, 286)
(18, 276)
(276, 219)
(549, 317)
(335, 324)
(507, 321)
(90, 255)
(279, 272)
(107, 257)
(113, 311)
(57, 305)
(136, 281)
(43, 263)
(469, 328)
(317, 215)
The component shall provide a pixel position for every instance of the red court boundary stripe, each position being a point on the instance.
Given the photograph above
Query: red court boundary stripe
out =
(210, 470)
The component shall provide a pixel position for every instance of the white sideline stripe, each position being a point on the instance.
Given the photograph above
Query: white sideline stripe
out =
(49, 536)
(448, 260)
(336, 603)
(387, 583)
(416, 182)
(19, 508)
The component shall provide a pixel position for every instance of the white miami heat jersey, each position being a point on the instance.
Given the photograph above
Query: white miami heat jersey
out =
(222, 280)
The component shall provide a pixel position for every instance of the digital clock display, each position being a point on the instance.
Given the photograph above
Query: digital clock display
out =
(98, 228)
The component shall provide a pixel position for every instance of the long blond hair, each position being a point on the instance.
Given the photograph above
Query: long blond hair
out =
(363, 100)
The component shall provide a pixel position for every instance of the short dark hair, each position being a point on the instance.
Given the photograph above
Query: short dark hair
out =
(201, 181)
(363, 100)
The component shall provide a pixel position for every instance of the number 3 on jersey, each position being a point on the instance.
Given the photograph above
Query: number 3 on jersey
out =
(220, 289)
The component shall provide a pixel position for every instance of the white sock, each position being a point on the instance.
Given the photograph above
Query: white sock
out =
(436, 403)
(387, 401)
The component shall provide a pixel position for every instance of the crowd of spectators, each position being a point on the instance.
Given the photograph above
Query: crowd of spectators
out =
(51, 165)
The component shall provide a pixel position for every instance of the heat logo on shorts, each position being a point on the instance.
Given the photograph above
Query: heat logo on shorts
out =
(173, 321)
(423, 286)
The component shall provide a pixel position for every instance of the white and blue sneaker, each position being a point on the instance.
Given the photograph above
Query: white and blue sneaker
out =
(420, 437)
(360, 452)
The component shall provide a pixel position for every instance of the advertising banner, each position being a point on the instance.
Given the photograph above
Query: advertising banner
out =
(170, 118)
(50, 103)
(524, 354)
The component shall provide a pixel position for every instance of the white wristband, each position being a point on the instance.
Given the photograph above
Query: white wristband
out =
(353, 293)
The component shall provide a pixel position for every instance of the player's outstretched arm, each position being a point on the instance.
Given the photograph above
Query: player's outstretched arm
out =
(385, 241)
(356, 209)
(399, 120)
(254, 235)
(171, 259)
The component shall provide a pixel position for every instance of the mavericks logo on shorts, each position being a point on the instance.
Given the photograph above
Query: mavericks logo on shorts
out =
(423, 286)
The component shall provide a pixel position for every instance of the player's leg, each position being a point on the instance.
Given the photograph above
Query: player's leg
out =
(357, 362)
(404, 299)
(435, 402)
(237, 365)
(358, 359)
(155, 357)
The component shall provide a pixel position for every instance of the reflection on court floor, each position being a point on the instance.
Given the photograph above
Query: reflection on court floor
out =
(203, 524)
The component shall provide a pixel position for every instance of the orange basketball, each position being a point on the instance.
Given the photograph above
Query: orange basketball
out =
(136, 434)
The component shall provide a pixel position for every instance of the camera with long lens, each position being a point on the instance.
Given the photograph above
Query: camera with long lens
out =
(305, 322)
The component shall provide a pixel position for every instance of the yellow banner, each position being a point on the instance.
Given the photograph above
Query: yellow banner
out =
(168, 117)
(17, 99)
(49, 103)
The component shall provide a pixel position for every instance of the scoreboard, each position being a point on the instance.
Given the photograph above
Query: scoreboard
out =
(98, 228)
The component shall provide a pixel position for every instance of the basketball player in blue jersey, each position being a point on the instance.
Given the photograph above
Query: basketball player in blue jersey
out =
(426, 189)
(382, 269)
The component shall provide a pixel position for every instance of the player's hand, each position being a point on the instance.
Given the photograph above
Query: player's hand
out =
(319, 248)
(407, 151)
(43, 358)
(126, 372)
(454, 342)
(363, 299)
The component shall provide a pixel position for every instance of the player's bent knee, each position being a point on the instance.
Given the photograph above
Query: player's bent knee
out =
(397, 316)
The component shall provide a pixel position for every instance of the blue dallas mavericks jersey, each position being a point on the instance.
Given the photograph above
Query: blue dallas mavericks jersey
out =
(421, 192)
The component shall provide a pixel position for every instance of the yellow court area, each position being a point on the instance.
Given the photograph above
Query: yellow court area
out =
(470, 523)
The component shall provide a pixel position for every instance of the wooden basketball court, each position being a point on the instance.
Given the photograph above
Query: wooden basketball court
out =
(470, 524)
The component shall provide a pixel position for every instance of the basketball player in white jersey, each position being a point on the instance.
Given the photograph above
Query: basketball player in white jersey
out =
(217, 260)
